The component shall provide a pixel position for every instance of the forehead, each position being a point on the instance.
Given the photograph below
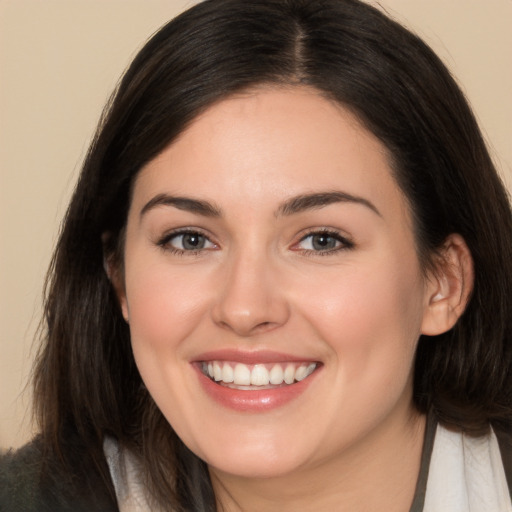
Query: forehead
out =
(268, 144)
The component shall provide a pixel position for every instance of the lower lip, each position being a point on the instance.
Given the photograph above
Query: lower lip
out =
(258, 400)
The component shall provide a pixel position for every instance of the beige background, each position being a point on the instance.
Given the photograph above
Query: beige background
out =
(59, 60)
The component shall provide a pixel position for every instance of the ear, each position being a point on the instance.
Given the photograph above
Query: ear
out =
(114, 272)
(449, 287)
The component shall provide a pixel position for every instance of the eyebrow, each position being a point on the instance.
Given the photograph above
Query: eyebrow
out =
(292, 206)
(188, 204)
(319, 200)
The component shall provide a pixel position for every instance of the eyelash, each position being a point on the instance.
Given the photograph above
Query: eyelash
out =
(164, 242)
(344, 243)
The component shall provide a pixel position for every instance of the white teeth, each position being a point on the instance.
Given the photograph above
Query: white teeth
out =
(228, 375)
(289, 374)
(301, 373)
(242, 375)
(304, 371)
(217, 372)
(259, 376)
(276, 375)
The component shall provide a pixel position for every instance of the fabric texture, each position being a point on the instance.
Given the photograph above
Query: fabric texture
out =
(31, 481)
(466, 475)
(126, 475)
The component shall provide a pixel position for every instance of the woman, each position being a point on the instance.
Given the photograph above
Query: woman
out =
(277, 282)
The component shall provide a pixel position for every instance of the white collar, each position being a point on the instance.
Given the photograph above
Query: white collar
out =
(126, 473)
(466, 475)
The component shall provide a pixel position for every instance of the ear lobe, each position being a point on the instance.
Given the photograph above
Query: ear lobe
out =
(114, 274)
(124, 308)
(449, 287)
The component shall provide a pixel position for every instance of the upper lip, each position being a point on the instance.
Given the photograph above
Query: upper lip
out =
(250, 357)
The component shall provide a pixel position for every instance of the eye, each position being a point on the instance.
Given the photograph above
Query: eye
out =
(324, 241)
(186, 241)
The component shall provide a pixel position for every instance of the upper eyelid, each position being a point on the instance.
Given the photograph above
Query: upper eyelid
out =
(183, 231)
(164, 241)
(336, 233)
(345, 241)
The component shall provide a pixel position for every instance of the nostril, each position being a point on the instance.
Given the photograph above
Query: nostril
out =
(263, 326)
(249, 328)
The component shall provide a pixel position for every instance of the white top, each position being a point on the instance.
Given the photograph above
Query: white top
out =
(466, 475)
(125, 471)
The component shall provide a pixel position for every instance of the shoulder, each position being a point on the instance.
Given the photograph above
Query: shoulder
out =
(33, 482)
(19, 475)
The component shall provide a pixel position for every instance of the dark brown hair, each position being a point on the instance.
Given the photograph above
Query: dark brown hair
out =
(86, 380)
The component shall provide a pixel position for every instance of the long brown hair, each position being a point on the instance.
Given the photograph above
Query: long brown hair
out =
(86, 380)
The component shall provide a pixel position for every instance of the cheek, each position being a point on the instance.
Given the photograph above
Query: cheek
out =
(164, 309)
(371, 323)
(370, 317)
(163, 305)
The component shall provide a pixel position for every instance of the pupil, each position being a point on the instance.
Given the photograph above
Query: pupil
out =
(323, 242)
(193, 241)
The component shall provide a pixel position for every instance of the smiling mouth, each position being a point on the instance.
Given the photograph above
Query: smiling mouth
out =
(257, 376)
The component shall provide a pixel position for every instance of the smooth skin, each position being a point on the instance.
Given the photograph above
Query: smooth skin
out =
(338, 282)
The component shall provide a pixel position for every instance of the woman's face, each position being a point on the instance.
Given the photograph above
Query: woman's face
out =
(270, 246)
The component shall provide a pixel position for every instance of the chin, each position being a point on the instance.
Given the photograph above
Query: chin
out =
(257, 467)
(256, 453)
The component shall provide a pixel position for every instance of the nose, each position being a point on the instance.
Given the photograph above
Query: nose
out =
(251, 300)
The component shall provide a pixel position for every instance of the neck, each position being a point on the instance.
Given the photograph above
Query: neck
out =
(378, 473)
